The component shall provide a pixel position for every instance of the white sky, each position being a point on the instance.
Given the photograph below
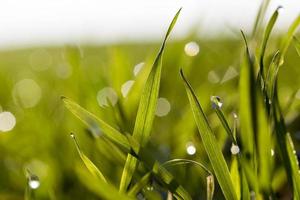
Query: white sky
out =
(38, 22)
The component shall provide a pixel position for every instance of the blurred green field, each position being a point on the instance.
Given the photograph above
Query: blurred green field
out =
(40, 140)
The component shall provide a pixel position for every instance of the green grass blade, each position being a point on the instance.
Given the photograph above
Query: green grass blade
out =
(294, 166)
(235, 176)
(210, 178)
(247, 90)
(98, 186)
(92, 121)
(127, 142)
(263, 146)
(146, 110)
(174, 162)
(167, 179)
(260, 16)
(272, 75)
(285, 43)
(286, 149)
(297, 45)
(214, 152)
(140, 184)
(221, 116)
(266, 37)
(148, 101)
(210, 187)
(87, 162)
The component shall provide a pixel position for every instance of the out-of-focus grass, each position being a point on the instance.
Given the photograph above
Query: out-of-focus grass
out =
(40, 140)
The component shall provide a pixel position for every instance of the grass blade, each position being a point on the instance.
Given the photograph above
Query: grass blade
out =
(209, 179)
(260, 16)
(221, 116)
(294, 166)
(266, 37)
(285, 43)
(272, 75)
(214, 152)
(263, 146)
(247, 90)
(235, 176)
(146, 110)
(297, 45)
(129, 144)
(87, 162)
(92, 121)
(148, 101)
(184, 162)
(98, 186)
(167, 179)
(210, 187)
(286, 149)
(140, 184)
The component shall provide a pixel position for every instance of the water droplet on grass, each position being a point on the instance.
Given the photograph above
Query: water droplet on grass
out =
(150, 188)
(138, 68)
(105, 95)
(125, 88)
(216, 102)
(34, 182)
(7, 121)
(235, 149)
(234, 115)
(163, 107)
(272, 152)
(191, 48)
(190, 148)
(27, 93)
(213, 77)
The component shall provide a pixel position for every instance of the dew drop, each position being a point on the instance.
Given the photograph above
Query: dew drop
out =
(190, 148)
(272, 152)
(216, 102)
(34, 182)
(105, 95)
(138, 68)
(150, 188)
(229, 74)
(125, 88)
(163, 107)
(72, 135)
(7, 121)
(213, 77)
(27, 93)
(191, 48)
(234, 115)
(235, 149)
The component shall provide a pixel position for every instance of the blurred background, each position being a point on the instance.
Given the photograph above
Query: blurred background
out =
(94, 51)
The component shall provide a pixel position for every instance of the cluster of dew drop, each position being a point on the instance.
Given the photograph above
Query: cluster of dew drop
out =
(33, 181)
